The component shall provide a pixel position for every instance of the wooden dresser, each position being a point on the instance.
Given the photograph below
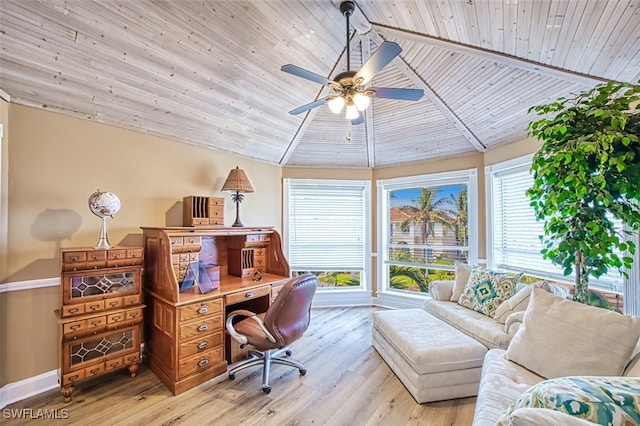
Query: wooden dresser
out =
(185, 341)
(100, 315)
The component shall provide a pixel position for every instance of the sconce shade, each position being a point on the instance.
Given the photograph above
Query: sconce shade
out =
(237, 181)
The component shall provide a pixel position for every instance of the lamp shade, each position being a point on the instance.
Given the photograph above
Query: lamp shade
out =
(237, 181)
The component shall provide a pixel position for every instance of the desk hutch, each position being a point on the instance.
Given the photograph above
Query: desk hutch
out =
(184, 331)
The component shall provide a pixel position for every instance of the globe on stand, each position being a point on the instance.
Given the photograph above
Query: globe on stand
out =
(104, 204)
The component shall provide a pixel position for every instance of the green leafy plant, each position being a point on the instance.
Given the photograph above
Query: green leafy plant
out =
(586, 174)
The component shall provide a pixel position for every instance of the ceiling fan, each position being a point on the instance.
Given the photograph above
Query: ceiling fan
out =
(349, 86)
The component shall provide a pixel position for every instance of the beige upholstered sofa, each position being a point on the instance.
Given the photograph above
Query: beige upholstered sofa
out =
(503, 380)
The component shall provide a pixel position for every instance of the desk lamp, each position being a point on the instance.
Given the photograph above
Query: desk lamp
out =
(237, 183)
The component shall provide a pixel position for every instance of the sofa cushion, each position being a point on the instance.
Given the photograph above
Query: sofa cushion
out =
(501, 383)
(601, 400)
(560, 337)
(486, 290)
(542, 416)
(518, 302)
(463, 271)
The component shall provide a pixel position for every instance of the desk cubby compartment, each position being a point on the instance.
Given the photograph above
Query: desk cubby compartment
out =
(203, 211)
(242, 262)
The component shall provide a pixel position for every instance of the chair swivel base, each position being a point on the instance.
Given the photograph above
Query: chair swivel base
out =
(266, 358)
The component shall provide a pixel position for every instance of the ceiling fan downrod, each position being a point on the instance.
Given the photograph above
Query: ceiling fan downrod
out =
(347, 8)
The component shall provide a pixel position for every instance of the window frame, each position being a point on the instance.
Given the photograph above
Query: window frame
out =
(384, 186)
(365, 274)
(516, 165)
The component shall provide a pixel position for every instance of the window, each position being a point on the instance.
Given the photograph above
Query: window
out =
(513, 231)
(426, 225)
(326, 230)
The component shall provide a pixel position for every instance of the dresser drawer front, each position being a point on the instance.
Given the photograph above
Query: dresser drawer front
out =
(200, 327)
(200, 362)
(201, 344)
(71, 378)
(200, 310)
(247, 295)
(71, 310)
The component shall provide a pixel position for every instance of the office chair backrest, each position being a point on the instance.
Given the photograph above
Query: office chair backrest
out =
(289, 315)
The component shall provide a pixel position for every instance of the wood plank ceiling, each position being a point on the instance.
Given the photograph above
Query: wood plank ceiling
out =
(208, 72)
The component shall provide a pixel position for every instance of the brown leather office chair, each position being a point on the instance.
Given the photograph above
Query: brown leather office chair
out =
(272, 331)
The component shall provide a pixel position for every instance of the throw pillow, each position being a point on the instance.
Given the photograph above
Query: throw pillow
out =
(463, 271)
(543, 416)
(486, 290)
(560, 337)
(518, 302)
(601, 400)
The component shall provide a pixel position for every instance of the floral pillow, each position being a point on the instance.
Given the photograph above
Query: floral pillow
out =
(486, 290)
(613, 400)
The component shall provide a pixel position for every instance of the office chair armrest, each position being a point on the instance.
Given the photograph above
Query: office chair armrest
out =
(242, 339)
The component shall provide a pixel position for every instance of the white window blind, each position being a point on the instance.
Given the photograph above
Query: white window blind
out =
(326, 226)
(515, 231)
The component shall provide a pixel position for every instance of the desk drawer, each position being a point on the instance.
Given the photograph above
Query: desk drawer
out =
(201, 344)
(200, 362)
(200, 327)
(247, 295)
(200, 310)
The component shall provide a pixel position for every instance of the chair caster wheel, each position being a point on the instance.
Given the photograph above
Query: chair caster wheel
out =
(266, 389)
(303, 371)
(232, 376)
(288, 352)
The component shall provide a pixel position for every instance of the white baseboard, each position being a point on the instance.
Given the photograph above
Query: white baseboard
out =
(17, 391)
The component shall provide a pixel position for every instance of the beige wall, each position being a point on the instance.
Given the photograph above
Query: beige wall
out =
(55, 162)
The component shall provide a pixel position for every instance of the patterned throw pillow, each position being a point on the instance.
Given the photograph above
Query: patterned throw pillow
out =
(486, 290)
(598, 399)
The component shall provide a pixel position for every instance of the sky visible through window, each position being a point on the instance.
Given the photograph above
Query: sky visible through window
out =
(409, 197)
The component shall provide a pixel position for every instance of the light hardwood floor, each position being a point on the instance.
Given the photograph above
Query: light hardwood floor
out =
(347, 383)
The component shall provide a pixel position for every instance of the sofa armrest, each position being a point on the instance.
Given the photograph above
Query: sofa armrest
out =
(528, 416)
(513, 322)
(441, 290)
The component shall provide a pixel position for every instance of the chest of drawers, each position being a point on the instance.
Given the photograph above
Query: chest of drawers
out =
(100, 315)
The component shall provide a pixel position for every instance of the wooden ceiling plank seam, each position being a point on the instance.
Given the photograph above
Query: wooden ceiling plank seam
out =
(553, 24)
(592, 14)
(510, 24)
(568, 31)
(607, 29)
(538, 29)
(615, 58)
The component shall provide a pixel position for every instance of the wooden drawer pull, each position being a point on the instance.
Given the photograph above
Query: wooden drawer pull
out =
(203, 327)
(203, 310)
(75, 327)
(203, 345)
(96, 323)
(74, 378)
(94, 371)
(202, 362)
(75, 259)
(249, 294)
(73, 311)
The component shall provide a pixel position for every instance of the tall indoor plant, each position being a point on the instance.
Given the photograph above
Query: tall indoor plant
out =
(586, 174)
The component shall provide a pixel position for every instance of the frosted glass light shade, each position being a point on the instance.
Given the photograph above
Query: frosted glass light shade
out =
(352, 112)
(336, 104)
(362, 101)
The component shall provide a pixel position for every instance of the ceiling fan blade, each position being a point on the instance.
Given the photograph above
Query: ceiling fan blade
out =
(394, 93)
(358, 120)
(385, 54)
(308, 106)
(301, 72)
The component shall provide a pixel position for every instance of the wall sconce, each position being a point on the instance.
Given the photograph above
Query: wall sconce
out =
(237, 183)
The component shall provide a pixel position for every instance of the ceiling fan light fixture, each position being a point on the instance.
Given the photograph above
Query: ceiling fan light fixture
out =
(336, 104)
(361, 100)
(352, 112)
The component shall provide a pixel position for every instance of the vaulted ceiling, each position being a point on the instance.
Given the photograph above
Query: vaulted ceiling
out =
(208, 72)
